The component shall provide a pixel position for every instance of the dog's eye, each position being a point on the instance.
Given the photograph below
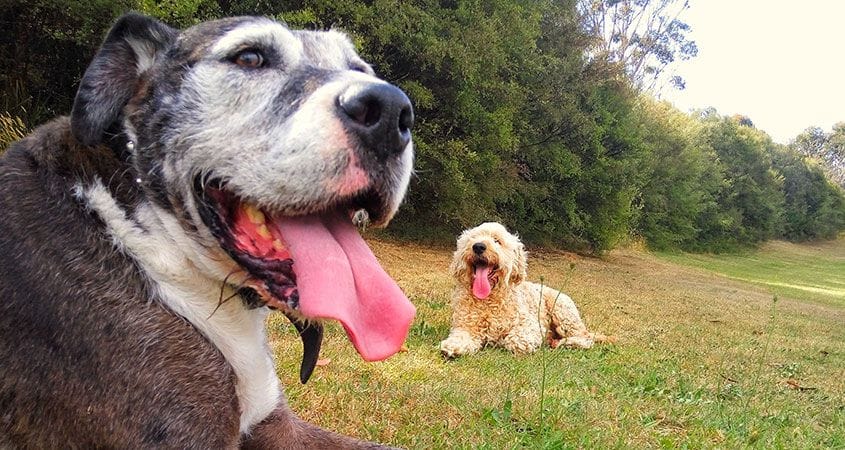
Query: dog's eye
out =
(250, 58)
(359, 68)
(496, 240)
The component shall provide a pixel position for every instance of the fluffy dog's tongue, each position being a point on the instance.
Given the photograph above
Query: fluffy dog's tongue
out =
(480, 283)
(338, 277)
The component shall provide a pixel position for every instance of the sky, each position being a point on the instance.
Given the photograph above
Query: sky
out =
(781, 63)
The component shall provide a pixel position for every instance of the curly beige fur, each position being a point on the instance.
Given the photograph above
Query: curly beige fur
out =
(517, 314)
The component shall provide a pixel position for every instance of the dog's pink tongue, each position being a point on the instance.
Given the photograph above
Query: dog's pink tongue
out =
(481, 284)
(338, 277)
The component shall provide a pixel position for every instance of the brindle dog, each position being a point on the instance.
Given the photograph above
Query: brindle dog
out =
(203, 178)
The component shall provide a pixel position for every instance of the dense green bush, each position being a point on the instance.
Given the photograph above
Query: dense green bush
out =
(682, 178)
(751, 196)
(814, 207)
(516, 122)
(716, 184)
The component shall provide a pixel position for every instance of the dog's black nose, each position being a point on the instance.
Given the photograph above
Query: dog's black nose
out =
(381, 115)
(478, 248)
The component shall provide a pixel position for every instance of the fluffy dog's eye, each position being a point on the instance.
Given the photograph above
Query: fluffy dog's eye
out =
(496, 240)
(249, 58)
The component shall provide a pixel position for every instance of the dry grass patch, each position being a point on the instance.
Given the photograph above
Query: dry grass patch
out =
(703, 360)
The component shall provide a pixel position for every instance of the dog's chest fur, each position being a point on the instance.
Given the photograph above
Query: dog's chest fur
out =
(494, 316)
(80, 271)
(169, 259)
(506, 310)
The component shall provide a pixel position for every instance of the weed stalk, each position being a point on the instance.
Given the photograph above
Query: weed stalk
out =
(761, 360)
(542, 423)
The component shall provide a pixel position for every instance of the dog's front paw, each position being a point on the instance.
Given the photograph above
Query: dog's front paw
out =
(453, 347)
(448, 349)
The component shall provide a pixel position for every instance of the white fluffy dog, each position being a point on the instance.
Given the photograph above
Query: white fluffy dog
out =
(492, 303)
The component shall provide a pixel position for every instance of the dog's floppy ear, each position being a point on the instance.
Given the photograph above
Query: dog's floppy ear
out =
(128, 51)
(458, 267)
(520, 270)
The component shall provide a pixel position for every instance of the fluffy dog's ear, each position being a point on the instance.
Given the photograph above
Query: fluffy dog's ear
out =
(129, 50)
(458, 267)
(520, 270)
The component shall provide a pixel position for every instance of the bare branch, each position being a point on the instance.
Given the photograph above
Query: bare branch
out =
(645, 36)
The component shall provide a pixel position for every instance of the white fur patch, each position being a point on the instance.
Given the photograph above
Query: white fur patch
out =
(404, 177)
(145, 53)
(187, 277)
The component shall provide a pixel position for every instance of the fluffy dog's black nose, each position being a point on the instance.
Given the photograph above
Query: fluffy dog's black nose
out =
(381, 115)
(478, 248)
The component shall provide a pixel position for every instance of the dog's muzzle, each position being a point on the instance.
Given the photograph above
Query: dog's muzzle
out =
(310, 267)
(380, 115)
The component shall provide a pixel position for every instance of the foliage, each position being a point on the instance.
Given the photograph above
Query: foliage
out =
(814, 207)
(750, 201)
(44, 50)
(683, 176)
(644, 36)
(11, 129)
(181, 13)
(827, 148)
(716, 183)
(527, 113)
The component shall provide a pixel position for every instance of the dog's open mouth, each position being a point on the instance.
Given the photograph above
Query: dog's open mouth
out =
(484, 278)
(311, 267)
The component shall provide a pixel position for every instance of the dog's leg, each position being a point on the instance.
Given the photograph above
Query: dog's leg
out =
(568, 328)
(523, 339)
(582, 342)
(282, 430)
(571, 334)
(460, 342)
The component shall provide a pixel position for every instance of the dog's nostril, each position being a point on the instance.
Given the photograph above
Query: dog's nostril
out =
(380, 114)
(363, 111)
(373, 114)
(406, 119)
(478, 248)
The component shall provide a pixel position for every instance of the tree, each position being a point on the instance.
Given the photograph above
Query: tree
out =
(521, 116)
(754, 195)
(827, 148)
(643, 36)
(813, 206)
(44, 49)
(684, 178)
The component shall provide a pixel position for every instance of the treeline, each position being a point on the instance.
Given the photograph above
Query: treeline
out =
(517, 121)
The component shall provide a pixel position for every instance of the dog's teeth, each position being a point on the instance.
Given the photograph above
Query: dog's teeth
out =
(264, 232)
(254, 214)
(277, 245)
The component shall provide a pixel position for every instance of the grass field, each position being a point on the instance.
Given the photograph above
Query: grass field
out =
(714, 351)
(809, 272)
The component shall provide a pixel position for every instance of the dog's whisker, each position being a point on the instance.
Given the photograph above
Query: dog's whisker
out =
(236, 288)
(223, 285)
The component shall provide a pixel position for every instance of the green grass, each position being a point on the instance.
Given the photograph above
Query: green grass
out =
(703, 361)
(807, 272)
